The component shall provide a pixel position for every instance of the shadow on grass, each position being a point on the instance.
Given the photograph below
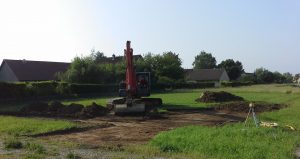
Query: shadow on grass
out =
(72, 130)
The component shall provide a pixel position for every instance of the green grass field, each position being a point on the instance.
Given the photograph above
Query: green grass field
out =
(19, 126)
(238, 141)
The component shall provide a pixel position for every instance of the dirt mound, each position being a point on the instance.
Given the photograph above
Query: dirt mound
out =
(222, 96)
(71, 109)
(57, 109)
(93, 110)
(244, 106)
(35, 107)
(55, 106)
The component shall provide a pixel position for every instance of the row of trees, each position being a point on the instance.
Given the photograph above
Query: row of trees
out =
(262, 75)
(235, 70)
(207, 61)
(164, 68)
(95, 69)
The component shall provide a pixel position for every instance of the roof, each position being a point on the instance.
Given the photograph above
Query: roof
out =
(116, 59)
(204, 74)
(26, 70)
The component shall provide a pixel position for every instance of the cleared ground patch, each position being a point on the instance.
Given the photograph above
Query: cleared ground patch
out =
(122, 131)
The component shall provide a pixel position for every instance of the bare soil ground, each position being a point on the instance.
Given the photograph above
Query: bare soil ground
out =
(118, 131)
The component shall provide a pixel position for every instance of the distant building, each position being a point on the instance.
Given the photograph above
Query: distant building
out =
(116, 59)
(207, 75)
(296, 78)
(24, 70)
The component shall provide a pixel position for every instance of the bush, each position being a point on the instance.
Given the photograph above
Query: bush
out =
(12, 143)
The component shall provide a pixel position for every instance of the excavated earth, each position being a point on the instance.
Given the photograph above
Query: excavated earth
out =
(57, 109)
(102, 129)
(222, 96)
(116, 131)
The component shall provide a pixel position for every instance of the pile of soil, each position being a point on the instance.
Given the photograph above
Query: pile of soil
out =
(57, 109)
(244, 106)
(35, 107)
(71, 109)
(222, 96)
(93, 110)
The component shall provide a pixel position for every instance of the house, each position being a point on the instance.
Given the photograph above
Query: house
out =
(116, 59)
(296, 78)
(205, 75)
(25, 70)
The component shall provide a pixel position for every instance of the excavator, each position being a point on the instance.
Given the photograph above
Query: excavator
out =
(133, 90)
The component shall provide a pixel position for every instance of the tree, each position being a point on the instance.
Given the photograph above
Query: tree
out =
(278, 77)
(168, 65)
(204, 61)
(264, 76)
(233, 69)
(98, 56)
(87, 69)
(90, 69)
(248, 78)
(163, 68)
(288, 77)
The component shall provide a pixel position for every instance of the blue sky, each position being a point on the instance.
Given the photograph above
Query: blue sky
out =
(257, 33)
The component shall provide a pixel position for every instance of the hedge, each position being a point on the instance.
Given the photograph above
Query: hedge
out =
(184, 85)
(236, 84)
(50, 88)
(23, 90)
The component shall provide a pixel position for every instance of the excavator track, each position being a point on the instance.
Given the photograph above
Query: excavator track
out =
(139, 106)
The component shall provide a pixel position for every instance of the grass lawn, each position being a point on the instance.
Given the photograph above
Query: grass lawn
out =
(238, 141)
(17, 126)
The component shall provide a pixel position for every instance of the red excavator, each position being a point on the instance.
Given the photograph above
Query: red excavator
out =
(131, 92)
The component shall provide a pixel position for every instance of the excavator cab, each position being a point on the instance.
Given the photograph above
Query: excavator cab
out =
(143, 85)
